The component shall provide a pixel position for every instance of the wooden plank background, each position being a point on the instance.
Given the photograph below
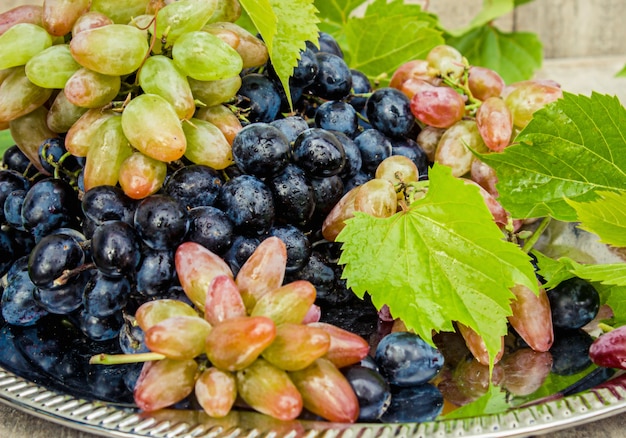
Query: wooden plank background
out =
(567, 28)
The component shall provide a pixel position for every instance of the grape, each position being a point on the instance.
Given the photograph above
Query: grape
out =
(371, 390)
(194, 185)
(526, 97)
(415, 404)
(180, 18)
(115, 246)
(252, 50)
(297, 245)
(531, 317)
(18, 303)
(573, 303)
(248, 203)
(260, 98)
(13, 159)
(51, 257)
(59, 16)
(222, 117)
(164, 382)
(261, 150)
(484, 82)
(205, 57)
(296, 346)
(216, 391)
(240, 250)
(215, 92)
(374, 147)
(397, 169)
(104, 203)
(570, 352)
(293, 195)
(304, 72)
(161, 222)
(223, 301)
(21, 42)
(155, 273)
(153, 312)
(389, 111)
(525, 370)
(360, 85)
(20, 96)
(114, 50)
(446, 60)
(211, 228)
(13, 209)
(10, 181)
(63, 114)
(53, 155)
(159, 75)
(20, 14)
(440, 107)
(151, 125)
(607, 350)
(65, 298)
(82, 133)
(412, 150)
(428, 139)
(414, 69)
(52, 67)
(90, 89)
(206, 145)
(178, 337)
(286, 304)
(90, 20)
(337, 116)
(477, 346)
(7, 255)
(334, 79)
(29, 131)
(495, 123)
(141, 176)
(456, 145)
(104, 296)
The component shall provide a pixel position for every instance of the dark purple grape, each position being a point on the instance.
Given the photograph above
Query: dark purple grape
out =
(293, 195)
(570, 352)
(389, 111)
(53, 155)
(319, 153)
(194, 185)
(415, 404)
(297, 243)
(303, 73)
(241, 249)
(261, 149)
(211, 228)
(132, 337)
(353, 156)
(327, 43)
(14, 159)
(19, 306)
(333, 80)
(260, 97)
(7, 252)
(371, 390)
(13, 208)
(156, 273)
(374, 147)
(108, 203)
(65, 298)
(52, 256)
(115, 248)
(360, 85)
(249, 204)
(10, 180)
(104, 296)
(327, 192)
(573, 303)
(100, 329)
(337, 116)
(405, 359)
(291, 126)
(356, 180)
(161, 221)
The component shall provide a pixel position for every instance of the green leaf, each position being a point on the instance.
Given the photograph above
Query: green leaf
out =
(285, 26)
(554, 271)
(515, 56)
(606, 217)
(572, 148)
(615, 298)
(494, 401)
(442, 260)
(377, 45)
(6, 141)
(612, 274)
(490, 10)
(621, 73)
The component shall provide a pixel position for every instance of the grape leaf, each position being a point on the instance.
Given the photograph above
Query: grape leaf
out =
(515, 56)
(572, 148)
(285, 26)
(606, 217)
(612, 274)
(377, 45)
(441, 260)
(621, 73)
(491, 9)
(334, 15)
(614, 297)
(6, 141)
(554, 271)
(494, 401)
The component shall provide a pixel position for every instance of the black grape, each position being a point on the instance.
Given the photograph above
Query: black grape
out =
(333, 80)
(52, 256)
(297, 244)
(104, 296)
(261, 149)
(260, 97)
(374, 147)
(415, 404)
(108, 203)
(337, 116)
(161, 221)
(194, 185)
(115, 248)
(371, 390)
(293, 195)
(156, 272)
(248, 203)
(211, 228)
(389, 111)
(319, 153)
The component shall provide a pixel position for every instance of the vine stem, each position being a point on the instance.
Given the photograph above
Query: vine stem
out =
(118, 359)
(530, 242)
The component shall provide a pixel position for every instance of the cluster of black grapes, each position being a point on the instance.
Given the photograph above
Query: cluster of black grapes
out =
(95, 257)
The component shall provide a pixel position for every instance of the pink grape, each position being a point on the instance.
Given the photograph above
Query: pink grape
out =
(440, 107)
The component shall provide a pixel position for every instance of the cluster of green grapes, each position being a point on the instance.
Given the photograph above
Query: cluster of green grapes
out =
(117, 80)
(256, 340)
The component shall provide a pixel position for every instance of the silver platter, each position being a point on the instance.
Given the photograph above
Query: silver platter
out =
(111, 420)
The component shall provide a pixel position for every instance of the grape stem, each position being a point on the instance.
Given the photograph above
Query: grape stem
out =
(532, 240)
(69, 273)
(118, 359)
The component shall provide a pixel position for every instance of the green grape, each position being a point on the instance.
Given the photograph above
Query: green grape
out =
(90, 20)
(29, 131)
(252, 50)
(19, 96)
(286, 304)
(106, 154)
(159, 75)
(52, 67)
(153, 312)
(296, 346)
(21, 14)
(115, 49)
(447, 61)
(205, 57)
(178, 337)
(90, 89)
(269, 390)
(428, 138)
(141, 176)
(235, 343)
(63, 114)
(163, 383)
(152, 127)
(80, 136)
(60, 15)
(222, 117)
(207, 145)
(397, 169)
(213, 93)
(526, 97)
(216, 391)
(120, 11)
(21, 42)
(181, 17)
(227, 10)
